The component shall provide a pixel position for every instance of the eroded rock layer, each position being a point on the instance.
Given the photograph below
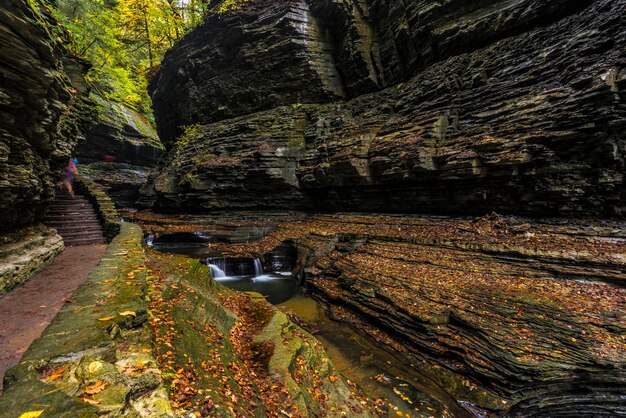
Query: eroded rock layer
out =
(42, 109)
(121, 133)
(26, 252)
(510, 106)
(526, 319)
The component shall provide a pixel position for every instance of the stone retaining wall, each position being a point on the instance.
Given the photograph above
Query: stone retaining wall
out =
(25, 252)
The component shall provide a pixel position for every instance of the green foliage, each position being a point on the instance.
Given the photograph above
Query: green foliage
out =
(189, 132)
(230, 5)
(126, 39)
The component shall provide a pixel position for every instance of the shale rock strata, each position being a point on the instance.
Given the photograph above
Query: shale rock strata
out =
(122, 133)
(515, 317)
(508, 106)
(42, 109)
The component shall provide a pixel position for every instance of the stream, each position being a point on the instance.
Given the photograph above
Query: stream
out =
(377, 372)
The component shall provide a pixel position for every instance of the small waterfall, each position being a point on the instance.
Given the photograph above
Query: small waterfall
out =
(217, 266)
(258, 268)
(216, 272)
(150, 239)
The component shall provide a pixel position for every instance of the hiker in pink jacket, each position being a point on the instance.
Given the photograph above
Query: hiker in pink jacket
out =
(69, 173)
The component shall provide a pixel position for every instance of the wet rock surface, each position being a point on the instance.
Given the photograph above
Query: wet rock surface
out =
(43, 110)
(508, 106)
(122, 133)
(29, 309)
(518, 317)
(226, 353)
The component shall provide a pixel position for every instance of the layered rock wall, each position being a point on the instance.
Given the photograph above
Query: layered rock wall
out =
(25, 253)
(514, 316)
(514, 106)
(42, 110)
(122, 133)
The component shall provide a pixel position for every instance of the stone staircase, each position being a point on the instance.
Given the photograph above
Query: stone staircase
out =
(75, 220)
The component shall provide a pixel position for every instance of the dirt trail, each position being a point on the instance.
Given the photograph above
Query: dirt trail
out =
(26, 311)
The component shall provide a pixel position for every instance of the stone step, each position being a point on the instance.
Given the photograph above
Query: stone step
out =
(86, 221)
(72, 218)
(73, 230)
(70, 199)
(86, 209)
(79, 237)
(80, 234)
(78, 205)
(84, 241)
(75, 220)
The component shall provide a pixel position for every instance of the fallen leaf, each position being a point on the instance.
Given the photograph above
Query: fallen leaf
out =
(57, 373)
(126, 313)
(91, 401)
(97, 387)
(106, 318)
(31, 414)
(94, 366)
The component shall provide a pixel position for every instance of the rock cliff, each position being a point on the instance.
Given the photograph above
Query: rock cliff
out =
(42, 109)
(418, 106)
(122, 133)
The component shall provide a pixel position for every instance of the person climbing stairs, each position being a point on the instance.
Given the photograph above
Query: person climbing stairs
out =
(75, 220)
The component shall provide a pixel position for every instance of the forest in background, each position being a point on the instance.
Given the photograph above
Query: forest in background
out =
(125, 40)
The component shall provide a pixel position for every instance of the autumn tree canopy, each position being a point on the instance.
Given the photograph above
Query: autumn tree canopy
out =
(126, 39)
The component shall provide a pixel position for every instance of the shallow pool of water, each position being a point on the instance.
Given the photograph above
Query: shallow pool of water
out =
(377, 372)
(276, 287)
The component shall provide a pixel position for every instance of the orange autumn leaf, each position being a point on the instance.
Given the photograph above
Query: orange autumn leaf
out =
(57, 373)
(90, 401)
(97, 387)
(333, 378)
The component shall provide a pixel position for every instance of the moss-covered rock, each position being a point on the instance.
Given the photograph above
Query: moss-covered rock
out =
(121, 132)
(225, 353)
(104, 206)
(25, 252)
(44, 109)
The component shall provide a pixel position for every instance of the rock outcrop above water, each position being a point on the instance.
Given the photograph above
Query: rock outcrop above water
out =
(43, 110)
(522, 318)
(121, 133)
(398, 106)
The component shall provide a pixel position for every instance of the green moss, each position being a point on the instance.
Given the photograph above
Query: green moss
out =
(189, 132)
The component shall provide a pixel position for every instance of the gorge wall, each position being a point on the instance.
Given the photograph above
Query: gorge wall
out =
(121, 133)
(43, 110)
(419, 106)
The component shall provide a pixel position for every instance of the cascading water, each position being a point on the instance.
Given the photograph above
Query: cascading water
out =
(217, 266)
(150, 239)
(216, 272)
(258, 268)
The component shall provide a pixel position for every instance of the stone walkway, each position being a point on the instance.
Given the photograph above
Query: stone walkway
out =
(27, 310)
